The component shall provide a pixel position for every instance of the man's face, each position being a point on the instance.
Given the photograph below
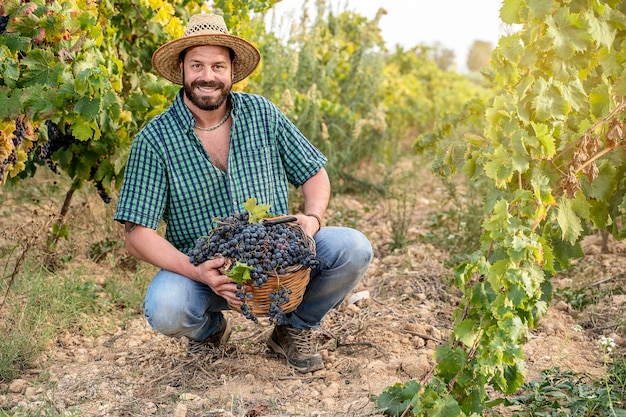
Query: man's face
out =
(207, 76)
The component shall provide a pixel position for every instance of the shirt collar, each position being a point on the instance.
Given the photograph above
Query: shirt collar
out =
(182, 112)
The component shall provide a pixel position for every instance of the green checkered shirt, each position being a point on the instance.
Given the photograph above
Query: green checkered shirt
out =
(169, 175)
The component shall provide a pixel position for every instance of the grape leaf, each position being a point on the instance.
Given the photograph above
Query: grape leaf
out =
(466, 332)
(450, 361)
(568, 221)
(41, 67)
(256, 212)
(446, 407)
(239, 273)
(396, 398)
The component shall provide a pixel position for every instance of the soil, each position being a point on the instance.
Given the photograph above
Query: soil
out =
(386, 334)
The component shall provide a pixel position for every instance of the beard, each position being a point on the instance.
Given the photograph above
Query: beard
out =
(202, 102)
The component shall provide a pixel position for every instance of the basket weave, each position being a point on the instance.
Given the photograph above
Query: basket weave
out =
(296, 279)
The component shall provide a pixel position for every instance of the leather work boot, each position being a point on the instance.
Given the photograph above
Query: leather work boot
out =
(215, 340)
(296, 346)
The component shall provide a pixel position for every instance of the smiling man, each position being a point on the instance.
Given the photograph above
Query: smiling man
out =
(203, 158)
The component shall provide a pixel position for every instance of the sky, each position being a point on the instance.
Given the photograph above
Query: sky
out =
(454, 24)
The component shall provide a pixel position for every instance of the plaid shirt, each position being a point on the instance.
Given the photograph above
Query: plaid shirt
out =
(169, 175)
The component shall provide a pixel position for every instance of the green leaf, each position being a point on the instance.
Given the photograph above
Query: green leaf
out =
(499, 167)
(497, 224)
(39, 99)
(510, 12)
(256, 212)
(568, 221)
(239, 273)
(548, 101)
(41, 67)
(446, 407)
(601, 100)
(394, 400)
(514, 376)
(87, 108)
(601, 31)
(450, 361)
(603, 185)
(466, 332)
(15, 42)
(547, 142)
(9, 68)
(11, 103)
(83, 130)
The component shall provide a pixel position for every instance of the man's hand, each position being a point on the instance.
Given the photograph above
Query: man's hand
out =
(208, 273)
(309, 224)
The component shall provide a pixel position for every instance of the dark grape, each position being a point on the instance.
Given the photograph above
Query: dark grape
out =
(4, 21)
(102, 192)
(56, 140)
(18, 137)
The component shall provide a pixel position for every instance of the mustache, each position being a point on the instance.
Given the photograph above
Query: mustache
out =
(209, 84)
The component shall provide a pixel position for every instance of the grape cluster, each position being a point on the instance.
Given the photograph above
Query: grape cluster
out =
(56, 140)
(245, 307)
(267, 249)
(102, 192)
(18, 137)
(4, 21)
(278, 299)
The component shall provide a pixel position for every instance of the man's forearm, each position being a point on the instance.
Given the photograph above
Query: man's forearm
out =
(147, 245)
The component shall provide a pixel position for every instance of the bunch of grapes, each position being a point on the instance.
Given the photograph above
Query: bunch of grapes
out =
(279, 298)
(56, 140)
(266, 249)
(4, 21)
(18, 137)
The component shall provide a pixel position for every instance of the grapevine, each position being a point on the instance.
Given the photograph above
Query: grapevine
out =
(552, 160)
(255, 252)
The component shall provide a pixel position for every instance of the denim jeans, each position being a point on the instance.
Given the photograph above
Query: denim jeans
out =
(178, 306)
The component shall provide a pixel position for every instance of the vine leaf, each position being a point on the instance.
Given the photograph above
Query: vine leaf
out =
(256, 212)
(239, 273)
(396, 399)
(450, 361)
(465, 332)
(569, 222)
(446, 406)
(40, 67)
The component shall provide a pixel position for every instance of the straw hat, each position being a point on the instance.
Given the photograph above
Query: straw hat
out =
(206, 29)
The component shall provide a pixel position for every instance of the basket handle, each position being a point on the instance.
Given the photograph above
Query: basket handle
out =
(278, 219)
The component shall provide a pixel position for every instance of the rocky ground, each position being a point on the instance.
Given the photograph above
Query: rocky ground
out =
(385, 334)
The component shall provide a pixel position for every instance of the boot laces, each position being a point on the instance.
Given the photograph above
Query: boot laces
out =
(301, 339)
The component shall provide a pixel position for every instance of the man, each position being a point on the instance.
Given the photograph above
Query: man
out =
(202, 158)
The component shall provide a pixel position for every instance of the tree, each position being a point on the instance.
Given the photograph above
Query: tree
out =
(478, 56)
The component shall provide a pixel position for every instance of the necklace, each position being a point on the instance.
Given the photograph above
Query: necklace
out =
(221, 122)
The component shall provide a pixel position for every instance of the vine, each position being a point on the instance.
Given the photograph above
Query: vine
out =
(76, 83)
(551, 158)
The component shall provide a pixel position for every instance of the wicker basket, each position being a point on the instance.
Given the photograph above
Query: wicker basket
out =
(295, 281)
(296, 278)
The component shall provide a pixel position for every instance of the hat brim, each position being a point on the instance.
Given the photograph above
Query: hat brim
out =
(165, 60)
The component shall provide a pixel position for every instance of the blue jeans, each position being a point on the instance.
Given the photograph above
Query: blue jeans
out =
(178, 306)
